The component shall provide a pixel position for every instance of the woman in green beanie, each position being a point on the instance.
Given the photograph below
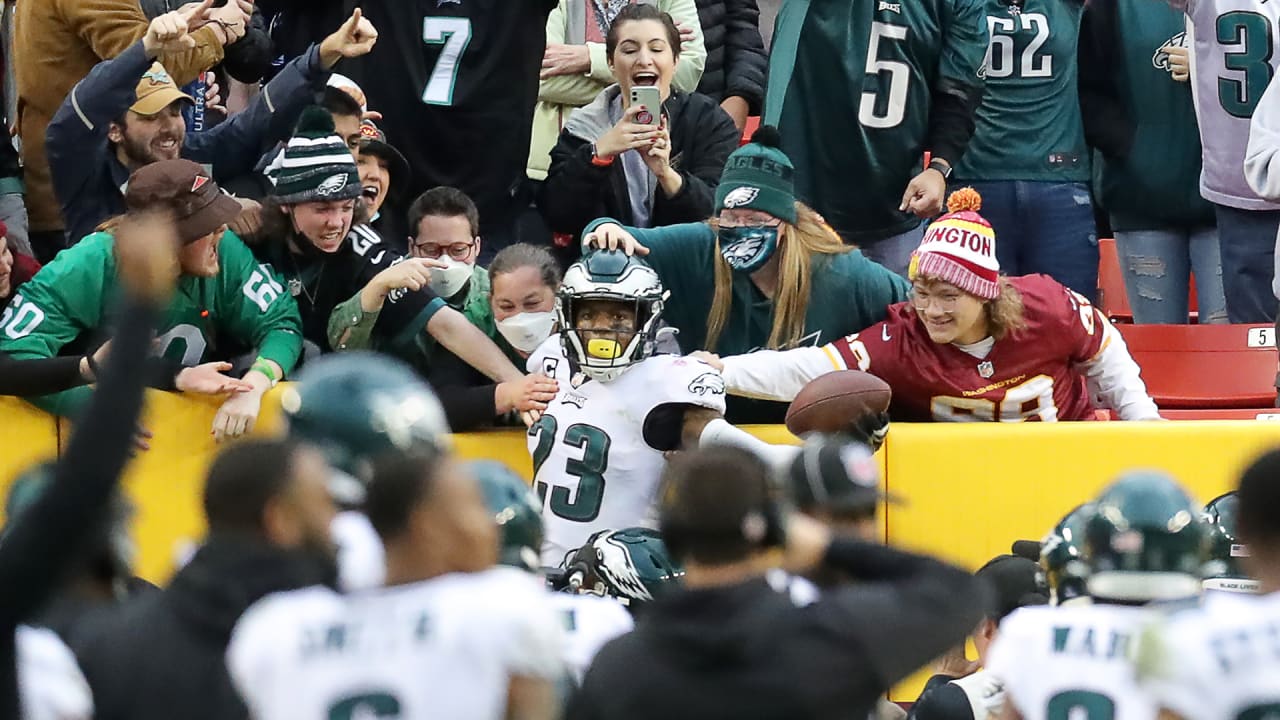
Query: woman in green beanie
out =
(766, 273)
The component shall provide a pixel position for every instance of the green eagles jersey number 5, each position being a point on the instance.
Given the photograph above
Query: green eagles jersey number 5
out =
(850, 89)
(74, 295)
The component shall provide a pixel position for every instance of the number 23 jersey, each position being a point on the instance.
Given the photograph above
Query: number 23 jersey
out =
(592, 468)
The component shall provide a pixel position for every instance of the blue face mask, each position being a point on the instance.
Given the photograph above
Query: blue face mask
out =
(747, 249)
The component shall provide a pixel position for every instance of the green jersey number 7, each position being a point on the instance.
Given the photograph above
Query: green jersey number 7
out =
(454, 33)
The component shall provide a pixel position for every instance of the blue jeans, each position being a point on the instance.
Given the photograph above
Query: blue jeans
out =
(1043, 227)
(1157, 266)
(895, 252)
(1248, 240)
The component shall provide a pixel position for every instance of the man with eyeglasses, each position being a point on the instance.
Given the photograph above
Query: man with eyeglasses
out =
(970, 344)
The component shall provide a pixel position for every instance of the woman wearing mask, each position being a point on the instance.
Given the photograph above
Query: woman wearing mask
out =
(646, 166)
(308, 237)
(766, 272)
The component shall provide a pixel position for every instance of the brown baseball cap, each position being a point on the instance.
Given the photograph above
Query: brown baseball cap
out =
(186, 189)
(156, 91)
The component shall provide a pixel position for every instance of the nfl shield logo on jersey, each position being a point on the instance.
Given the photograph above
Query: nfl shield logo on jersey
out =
(740, 196)
(986, 369)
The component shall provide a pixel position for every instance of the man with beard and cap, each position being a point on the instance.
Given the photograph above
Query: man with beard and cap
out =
(128, 113)
(268, 506)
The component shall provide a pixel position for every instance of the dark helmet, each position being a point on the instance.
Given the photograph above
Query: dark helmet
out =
(1145, 541)
(631, 564)
(615, 276)
(516, 510)
(357, 405)
(1225, 549)
(1062, 556)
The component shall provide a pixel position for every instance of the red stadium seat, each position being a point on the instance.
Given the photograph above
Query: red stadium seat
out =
(1205, 366)
(753, 124)
(1268, 414)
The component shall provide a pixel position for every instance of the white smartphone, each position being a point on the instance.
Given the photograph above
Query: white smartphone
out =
(650, 98)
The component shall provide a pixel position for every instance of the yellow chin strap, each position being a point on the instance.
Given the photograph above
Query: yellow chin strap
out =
(604, 349)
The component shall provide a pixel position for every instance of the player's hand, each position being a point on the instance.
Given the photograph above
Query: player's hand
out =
(627, 134)
(207, 379)
(561, 59)
(807, 542)
(249, 222)
(171, 32)
(709, 358)
(237, 415)
(954, 663)
(925, 194)
(1179, 62)
(529, 393)
(738, 109)
(611, 236)
(356, 37)
(870, 430)
(146, 250)
(232, 19)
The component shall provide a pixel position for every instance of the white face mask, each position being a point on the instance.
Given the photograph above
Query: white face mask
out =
(447, 281)
(527, 330)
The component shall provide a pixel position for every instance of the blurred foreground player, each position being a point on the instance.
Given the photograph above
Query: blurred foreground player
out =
(729, 645)
(449, 636)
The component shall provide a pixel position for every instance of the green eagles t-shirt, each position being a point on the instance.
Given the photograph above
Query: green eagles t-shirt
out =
(75, 294)
(850, 89)
(1028, 126)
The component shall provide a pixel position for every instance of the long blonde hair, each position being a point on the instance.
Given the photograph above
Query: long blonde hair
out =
(1005, 314)
(797, 244)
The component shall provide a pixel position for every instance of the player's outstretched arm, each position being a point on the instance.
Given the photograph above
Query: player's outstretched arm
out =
(708, 427)
(775, 374)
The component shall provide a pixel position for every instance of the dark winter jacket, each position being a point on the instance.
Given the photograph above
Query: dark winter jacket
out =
(162, 655)
(736, 58)
(577, 191)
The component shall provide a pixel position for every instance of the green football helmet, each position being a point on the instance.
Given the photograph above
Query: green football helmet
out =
(515, 509)
(1062, 556)
(631, 565)
(1145, 541)
(614, 276)
(1225, 549)
(357, 405)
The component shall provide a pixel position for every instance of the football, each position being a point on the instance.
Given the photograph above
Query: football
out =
(833, 402)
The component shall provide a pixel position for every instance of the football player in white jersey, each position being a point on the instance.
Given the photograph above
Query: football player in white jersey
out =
(1222, 661)
(355, 406)
(1144, 543)
(589, 621)
(449, 636)
(598, 448)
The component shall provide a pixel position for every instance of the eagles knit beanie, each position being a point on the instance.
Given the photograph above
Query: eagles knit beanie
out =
(759, 176)
(316, 165)
(960, 248)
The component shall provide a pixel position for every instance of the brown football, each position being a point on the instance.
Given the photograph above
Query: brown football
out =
(837, 400)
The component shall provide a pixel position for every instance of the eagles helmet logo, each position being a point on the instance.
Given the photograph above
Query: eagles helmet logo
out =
(332, 184)
(739, 197)
(1160, 60)
(708, 383)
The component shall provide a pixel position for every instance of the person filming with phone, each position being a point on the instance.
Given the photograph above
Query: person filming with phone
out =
(640, 152)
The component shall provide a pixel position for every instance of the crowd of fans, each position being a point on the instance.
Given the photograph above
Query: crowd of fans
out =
(552, 212)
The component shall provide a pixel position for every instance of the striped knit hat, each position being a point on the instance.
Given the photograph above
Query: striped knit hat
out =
(960, 248)
(316, 165)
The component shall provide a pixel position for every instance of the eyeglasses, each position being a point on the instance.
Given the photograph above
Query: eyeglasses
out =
(946, 303)
(457, 251)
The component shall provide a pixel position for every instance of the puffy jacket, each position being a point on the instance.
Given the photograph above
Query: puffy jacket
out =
(736, 58)
(559, 96)
(577, 191)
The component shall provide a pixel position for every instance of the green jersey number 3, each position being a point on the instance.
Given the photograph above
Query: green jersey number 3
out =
(887, 112)
(454, 33)
(589, 470)
(1247, 48)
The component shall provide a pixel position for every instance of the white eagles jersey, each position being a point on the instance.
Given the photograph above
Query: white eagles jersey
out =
(1068, 662)
(362, 561)
(1218, 662)
(50, 684)
(589, 621)
(443, 648)
(985, 693)
(592, 468)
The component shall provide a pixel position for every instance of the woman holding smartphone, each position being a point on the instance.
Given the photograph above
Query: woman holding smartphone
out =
(640, 152)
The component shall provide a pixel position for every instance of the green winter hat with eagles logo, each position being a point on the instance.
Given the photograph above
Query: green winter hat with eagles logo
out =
(759, 176)
(316, 165)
